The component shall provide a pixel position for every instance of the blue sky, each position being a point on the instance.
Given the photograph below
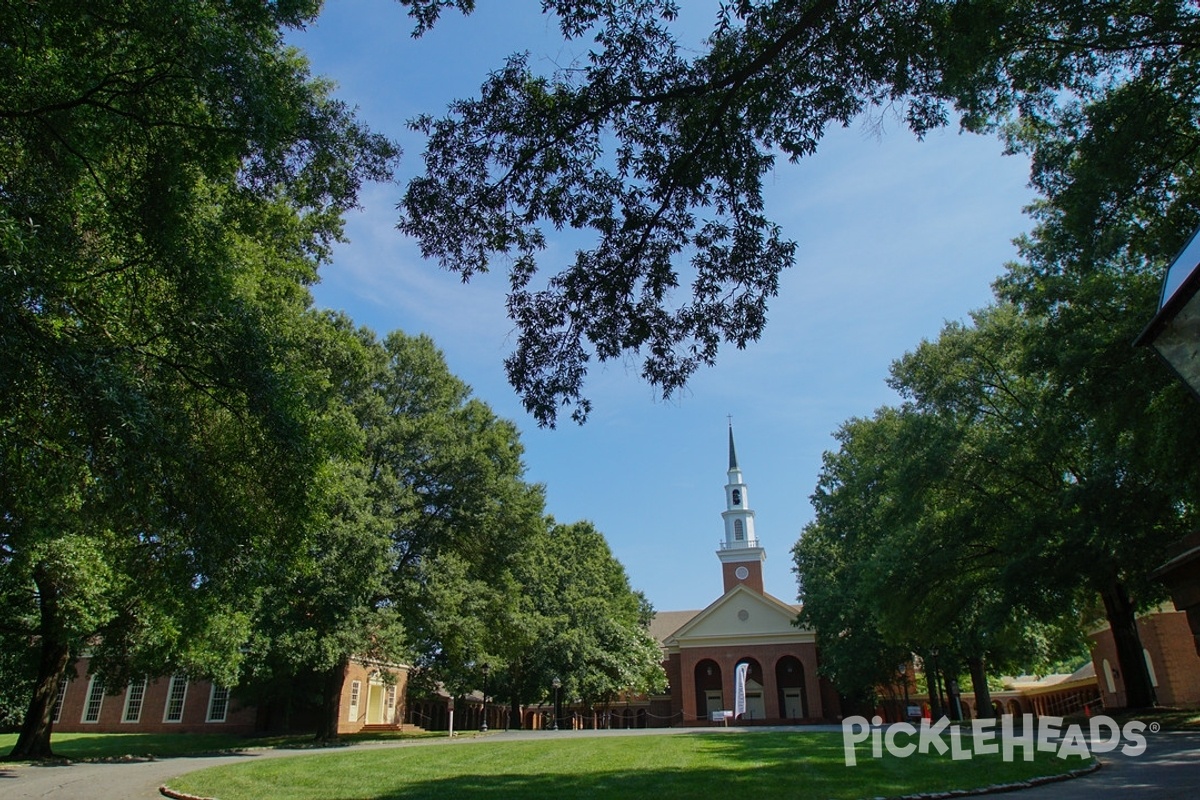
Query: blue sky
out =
(895, 236)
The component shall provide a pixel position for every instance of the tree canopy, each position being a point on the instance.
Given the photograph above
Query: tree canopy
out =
(171, 178)
(659, 153)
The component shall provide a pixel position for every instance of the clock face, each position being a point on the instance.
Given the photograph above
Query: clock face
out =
(742, 573)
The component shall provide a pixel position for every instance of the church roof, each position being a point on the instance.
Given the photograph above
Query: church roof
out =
(741, 614)
(667, 622)
(732, 451)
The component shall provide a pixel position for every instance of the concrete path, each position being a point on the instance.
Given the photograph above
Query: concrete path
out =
(1170, 768)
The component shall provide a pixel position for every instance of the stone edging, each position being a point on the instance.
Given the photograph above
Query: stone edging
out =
(166, 791)
(995, 789)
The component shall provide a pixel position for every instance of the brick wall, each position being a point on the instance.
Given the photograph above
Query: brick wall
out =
(239, 719)
(1167, 638)
(817, 693)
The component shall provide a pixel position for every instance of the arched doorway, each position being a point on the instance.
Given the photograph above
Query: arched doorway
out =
(793, 695)
(756, 707)
(709, 697)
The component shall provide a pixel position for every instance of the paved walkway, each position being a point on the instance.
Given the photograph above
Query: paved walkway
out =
(1170, 768)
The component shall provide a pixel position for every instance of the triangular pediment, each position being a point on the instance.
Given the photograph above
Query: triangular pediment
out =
(743, 616)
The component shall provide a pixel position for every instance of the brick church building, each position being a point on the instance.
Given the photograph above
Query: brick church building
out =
(745, 625)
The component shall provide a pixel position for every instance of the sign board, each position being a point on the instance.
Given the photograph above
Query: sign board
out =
(914, 711)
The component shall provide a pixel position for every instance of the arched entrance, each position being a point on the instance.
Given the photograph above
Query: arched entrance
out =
(793, 695)
(709, 697)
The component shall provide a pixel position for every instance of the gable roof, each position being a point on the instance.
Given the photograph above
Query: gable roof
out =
(741, 616)
(666, 623)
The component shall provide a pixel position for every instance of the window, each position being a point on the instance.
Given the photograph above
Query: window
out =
(62, 693)
(134, 696)
(355, 688)
(1150, 668)
(737, 497)
(95, 700)
(218, 704)
(176, 694)
(739, 532)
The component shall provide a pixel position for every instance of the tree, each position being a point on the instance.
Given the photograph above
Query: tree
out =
(599, 644)
(660, 155)
(334, 604)
(171, 179)
(1085, 431)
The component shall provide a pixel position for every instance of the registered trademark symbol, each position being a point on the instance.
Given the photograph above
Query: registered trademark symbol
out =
(1155, 727)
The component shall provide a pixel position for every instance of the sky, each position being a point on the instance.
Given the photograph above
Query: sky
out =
(895, 238)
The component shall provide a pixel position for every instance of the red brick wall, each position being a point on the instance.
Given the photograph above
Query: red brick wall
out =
(357, 671)
(1167, 638)
(239, 719)
(816, 691)
(754, 580)
(675, 686)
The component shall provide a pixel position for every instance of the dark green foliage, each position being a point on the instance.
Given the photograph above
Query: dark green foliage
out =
(170, 179)
(659, 154)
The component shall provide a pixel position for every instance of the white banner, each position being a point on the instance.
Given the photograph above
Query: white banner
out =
(739, 689)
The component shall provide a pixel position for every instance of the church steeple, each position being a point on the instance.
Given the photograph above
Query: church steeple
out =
(732, 450)
(741, 557)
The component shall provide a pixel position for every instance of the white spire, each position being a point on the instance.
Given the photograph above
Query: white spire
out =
(739, 518)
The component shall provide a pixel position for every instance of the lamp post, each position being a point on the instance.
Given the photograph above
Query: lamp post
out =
(557, 684)
(485, 669)
(937, 683)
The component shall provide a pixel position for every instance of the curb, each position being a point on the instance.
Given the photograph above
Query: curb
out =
(166, 791)
(995, 789)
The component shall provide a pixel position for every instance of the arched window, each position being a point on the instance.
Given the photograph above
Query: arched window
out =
(739, 532)
(1150, 668)
(737, 497)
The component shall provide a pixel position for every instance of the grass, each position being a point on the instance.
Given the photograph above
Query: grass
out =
(735, 764)
(105, 746)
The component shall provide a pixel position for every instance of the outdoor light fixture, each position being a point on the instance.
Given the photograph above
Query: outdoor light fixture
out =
(557, 684)
(485, 668)
(1174, 333)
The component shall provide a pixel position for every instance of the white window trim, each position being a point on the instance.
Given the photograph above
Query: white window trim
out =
(355, 697)
(61, 699)
(1150, 668)
(129, 696)
(212, 696)
(93, 686)
(182, 700)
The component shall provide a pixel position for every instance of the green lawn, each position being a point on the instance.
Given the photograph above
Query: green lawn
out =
(92, 746)
(735, 765)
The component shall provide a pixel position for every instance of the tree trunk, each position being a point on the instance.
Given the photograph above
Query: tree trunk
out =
(327, 720)
(935, 696)
(34, 740)
(1122, 619)
(983, 697)
(514, 713)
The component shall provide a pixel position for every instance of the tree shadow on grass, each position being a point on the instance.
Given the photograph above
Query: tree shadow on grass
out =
(779, 766)
(788, 765)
